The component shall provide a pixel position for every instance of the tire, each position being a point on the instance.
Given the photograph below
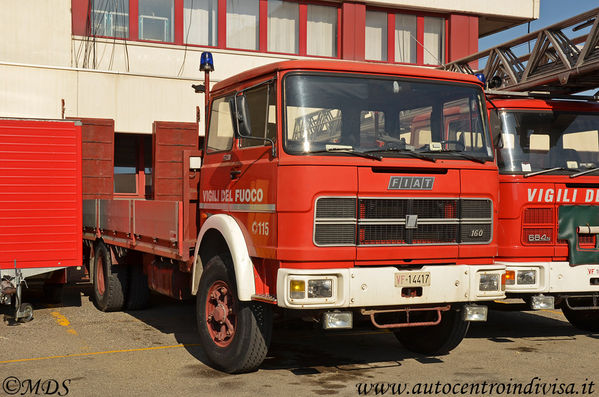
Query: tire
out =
(27, 311)
(109, 281)
(249, 324)
(435, 340)
(586, 320)
(138, 295)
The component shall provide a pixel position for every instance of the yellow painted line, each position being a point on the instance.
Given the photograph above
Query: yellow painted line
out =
(20, 360)
(60, 319)
(63, 321)
(552, 311)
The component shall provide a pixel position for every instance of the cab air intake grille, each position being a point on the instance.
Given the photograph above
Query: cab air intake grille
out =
(335, 234)
(476, 208)
(336, 208)
(402, 221)
(335, 222)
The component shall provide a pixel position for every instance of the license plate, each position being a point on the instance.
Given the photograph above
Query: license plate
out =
(412, 279)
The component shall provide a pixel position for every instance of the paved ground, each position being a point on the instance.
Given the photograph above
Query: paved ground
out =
(76, 350)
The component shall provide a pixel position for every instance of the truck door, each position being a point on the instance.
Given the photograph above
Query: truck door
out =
(254, 181)
(219, 163)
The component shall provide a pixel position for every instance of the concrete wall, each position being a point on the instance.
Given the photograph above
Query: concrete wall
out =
(36, 31)
(166, 59)
(133, 101)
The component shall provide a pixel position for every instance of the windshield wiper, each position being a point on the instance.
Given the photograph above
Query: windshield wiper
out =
(346, 149)
(546, 170)
(465, 156)
(402, 150)
(584, 172)
(459, 153)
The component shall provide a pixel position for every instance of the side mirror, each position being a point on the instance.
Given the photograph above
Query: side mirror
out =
(243, 123)
(243, 117)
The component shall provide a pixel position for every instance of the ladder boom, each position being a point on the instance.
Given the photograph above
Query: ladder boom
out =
(555, 63)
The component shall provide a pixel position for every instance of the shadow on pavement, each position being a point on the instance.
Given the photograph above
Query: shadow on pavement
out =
(304, 349)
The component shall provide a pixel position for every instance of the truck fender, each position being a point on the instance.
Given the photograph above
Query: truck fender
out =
(229, 229)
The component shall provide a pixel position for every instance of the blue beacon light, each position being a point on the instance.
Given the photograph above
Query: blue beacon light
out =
(481, 77)
(206, 62)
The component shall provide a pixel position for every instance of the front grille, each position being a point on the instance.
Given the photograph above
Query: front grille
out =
(403, 221)
(586, 239)
(538, 216)
(538, 226)
(334, 207)
(335, 222)
(476, 208)
(335, 234)
(383, 209)
(435, 234)
(382, 234)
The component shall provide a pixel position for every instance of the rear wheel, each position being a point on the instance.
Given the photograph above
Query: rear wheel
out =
(438, 339)
(587, 320)
(235, 335)
(109, 281)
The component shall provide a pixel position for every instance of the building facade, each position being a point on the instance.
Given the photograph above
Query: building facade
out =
(134, 61)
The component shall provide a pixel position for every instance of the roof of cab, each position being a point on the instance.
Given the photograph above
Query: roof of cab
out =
(345, 66)
(565, 105)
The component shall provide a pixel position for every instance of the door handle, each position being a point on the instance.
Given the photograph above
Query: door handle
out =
(235, 174)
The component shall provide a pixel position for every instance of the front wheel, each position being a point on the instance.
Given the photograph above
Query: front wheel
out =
(235, 335)
(438, 339)
(586, 320)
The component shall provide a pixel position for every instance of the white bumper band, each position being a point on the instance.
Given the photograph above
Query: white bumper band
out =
(388, 286)
(550, 277)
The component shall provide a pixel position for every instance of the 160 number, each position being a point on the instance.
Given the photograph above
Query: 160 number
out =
(476, 233)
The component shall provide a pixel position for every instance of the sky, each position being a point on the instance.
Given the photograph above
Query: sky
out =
(551, 11)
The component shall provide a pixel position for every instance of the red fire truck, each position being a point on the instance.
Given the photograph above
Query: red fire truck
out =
(548, 156)
(324, 189)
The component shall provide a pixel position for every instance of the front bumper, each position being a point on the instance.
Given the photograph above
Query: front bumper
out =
(554, 277)
(371, 287)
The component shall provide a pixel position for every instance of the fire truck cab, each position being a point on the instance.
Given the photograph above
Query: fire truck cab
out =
(335, 189)
(548, 158)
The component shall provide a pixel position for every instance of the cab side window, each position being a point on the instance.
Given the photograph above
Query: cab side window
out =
(261, 114)
(220, 133)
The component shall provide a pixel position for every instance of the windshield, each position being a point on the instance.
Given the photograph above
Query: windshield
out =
(390, 117)
(541, 140)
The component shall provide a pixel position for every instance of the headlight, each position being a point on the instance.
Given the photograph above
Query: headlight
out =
(527, 277)
(489, 282)
(320, 288)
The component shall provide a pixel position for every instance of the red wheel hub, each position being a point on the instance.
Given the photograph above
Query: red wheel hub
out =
(221, 318)
(100, 275)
